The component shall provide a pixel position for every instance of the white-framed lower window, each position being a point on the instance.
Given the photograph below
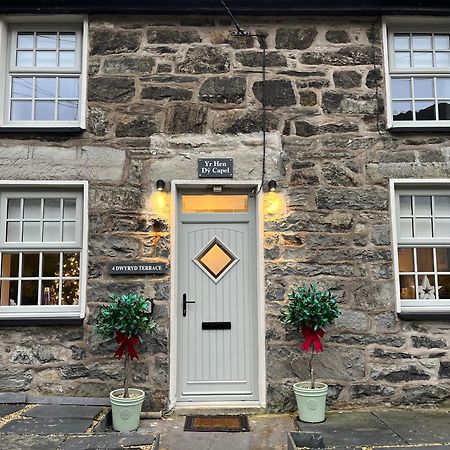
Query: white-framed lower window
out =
(417, 72)
(43, 245)
(420, 211)
(44, 77)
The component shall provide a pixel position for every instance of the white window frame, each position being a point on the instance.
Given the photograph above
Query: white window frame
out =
(76, 188)
(411, 24)
(408, 187)
(9, 26)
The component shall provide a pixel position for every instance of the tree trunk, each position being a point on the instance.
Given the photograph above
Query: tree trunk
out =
(311, 369)
(127, 379)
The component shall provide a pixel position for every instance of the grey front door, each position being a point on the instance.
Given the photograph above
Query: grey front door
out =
(217, 335)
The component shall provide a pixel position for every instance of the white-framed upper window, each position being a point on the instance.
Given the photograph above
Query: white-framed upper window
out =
(421, 239)
(44, 81)
(43, 241)
(417, 72)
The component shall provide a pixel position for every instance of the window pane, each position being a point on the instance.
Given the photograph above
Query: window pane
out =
(443, 87)
(442, 205)
(402, 111)
(25, 40)
(9, 290)
(67, 110)
(402, 60)
(425, 110)
(401, 41)
(421, 42)
(407, 287)
(24, 58)
(29, 292)
(10, 265)
(45, 59)
(442, 227)
(50, 266)
(44, 110)
(22, 87)
(32, 208)
(443, 259)
(423, 88)
(406, 228)
(423, 59)
(46, 40)
(401, 88)
(426, 288)
(52, 232)
(71, 265)
(70, 292)
(425, 260)
(13, 208)
(444, 283)
(406, 259)
(67, 59)
(441, 42)
(69, 208)
(69, 232)
(30, 265)
(423, 205)
(45, 87)
(52, 208)
(21, 110)
(68, 88)
(67, 40)
(422, 228)
(442, 59)
(405, 205)
(50, 292)
(444, 110)
(32, 232)
(13, 232)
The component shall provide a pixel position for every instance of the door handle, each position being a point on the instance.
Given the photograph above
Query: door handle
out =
(185, 302)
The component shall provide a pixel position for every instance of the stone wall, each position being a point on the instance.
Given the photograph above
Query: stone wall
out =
(163, 92)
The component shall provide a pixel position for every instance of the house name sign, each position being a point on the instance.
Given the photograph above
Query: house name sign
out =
(215, 167)
(137, 268)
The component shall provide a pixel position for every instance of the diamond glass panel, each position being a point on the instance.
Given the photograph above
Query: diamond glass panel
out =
(215, 259)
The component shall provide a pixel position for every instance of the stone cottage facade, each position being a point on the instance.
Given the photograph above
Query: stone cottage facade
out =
(157, 92)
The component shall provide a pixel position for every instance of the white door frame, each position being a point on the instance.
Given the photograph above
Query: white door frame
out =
(176, 185)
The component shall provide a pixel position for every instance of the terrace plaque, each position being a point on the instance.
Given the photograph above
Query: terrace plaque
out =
(137, 268)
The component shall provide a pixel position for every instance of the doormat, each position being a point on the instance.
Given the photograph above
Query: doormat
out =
(235, 424)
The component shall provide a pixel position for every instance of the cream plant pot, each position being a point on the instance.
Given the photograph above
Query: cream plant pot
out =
(311, 402)
(126, 412)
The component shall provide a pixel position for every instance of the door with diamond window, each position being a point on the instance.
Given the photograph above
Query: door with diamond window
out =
(216, 298)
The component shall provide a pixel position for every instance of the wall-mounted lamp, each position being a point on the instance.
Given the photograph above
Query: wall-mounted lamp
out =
(160, 184)
(272, 184)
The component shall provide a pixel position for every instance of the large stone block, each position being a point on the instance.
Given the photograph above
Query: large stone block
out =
(337, 36)
(352, 199)
(377, 295)
(101, 291)
(346, 79)
(346, 56)
(359, 391)
(381, 234)
(364, 340)
(310, 270)
(275, 93)
(186, 118)
(15, 380)
(164, 93)
(334, 102)
(225, 37)
(107, 41)
(352, 320)
(105, 198)
(97, 121)
(307, 129)
(298, 38)
(138, 126)
(114, 246)
(205, 59)
(427, 393)
(172, 35)
(444, 369)
(128, 64)
(255, 59)
(223, 90)
(249, 121)
(428, 342)
(398, 373)
(110, 90)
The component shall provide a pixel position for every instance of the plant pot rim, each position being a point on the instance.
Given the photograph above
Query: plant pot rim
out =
(120, 391)
(306, 385)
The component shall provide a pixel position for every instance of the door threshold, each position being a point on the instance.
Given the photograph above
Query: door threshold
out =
(185, 408)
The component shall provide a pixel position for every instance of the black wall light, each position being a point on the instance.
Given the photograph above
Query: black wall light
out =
(272, 185)
(160, 184)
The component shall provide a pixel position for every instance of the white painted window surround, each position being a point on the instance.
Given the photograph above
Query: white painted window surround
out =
(420, 212)
(43, 249)
(44, 70)
(417, 72)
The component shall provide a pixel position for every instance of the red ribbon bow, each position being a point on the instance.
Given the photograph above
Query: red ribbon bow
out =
(312, 338)
(126, 343)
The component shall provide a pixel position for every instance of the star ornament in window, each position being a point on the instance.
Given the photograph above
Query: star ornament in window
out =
(426, 291)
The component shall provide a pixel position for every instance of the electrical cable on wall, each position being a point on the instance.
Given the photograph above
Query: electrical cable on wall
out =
(241, 32)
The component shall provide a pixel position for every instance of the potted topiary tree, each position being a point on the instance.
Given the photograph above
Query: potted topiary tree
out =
(125, 319)
(310, 310)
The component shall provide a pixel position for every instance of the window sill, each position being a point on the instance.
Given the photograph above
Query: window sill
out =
(424, 316)
(56, 130)
(40, 321)
(424, 129)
